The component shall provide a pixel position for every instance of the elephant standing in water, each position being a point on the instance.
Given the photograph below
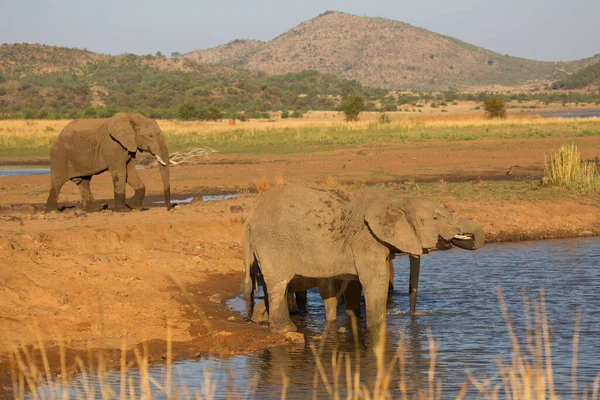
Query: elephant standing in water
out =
(91, 146)
(299, 232)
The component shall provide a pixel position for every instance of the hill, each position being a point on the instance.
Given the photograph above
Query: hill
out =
(588, 77)
(383, 53)
(51, 82)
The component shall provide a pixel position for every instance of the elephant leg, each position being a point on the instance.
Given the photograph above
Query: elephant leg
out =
(133, 179)
(119, 175)
(301, 300)
(352, 298)
(328, 289)
(260, 313)
(292, 304)
(391, 274)
(86, 194)
(56, 183)
(375, 286)
(279, 314)
(415, 267)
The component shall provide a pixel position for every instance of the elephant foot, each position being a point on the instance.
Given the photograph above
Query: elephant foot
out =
(136, 200)
(120, 203)
(288, 326)
(259, 314)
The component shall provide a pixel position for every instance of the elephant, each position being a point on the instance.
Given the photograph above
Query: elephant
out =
(87, 147)
(298, 231)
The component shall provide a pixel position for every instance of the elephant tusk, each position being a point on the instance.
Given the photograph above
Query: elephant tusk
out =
(463, 237)
(160, 160)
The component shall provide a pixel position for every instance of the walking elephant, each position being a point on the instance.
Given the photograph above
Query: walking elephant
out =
(305, 232)
(88, 147)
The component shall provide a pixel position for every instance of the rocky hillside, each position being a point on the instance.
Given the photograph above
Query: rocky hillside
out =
(585, 78)
(383, 53)
(53, 82)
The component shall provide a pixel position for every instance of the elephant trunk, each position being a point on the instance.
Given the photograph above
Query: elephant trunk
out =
(471, 236)
(163, 153)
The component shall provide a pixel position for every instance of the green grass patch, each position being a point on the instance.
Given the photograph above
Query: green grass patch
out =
(565, 168)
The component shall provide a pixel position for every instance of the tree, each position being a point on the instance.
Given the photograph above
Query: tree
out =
(495, 107)
(353, 105)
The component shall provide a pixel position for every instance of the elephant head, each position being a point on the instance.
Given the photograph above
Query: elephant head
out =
(416, 225)
(136, 132)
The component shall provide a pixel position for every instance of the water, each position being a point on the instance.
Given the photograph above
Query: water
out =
(212, 197)
(24, 171)
(570, 114)
(457, 299)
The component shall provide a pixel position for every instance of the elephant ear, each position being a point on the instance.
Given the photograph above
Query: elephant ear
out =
(120, 128)
(390, 224)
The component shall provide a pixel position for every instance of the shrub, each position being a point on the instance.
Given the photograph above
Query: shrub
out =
(2, 91)
(495, 107)
(297, 114)
(285, 114)
(353, 105)
(384, 118)
(565, 168)
(187, 111)
(89, 112)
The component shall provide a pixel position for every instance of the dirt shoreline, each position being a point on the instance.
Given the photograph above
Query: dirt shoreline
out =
(100, 278)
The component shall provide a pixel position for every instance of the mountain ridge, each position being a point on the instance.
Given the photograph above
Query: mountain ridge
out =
(385, 53)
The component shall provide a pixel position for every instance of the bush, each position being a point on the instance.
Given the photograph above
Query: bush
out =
(384, 118)
(285, 114)
(565, 168)
(495, 107)
(2, 91)
(297, 114)
(187, 111)
(353, 105)
(89, 112)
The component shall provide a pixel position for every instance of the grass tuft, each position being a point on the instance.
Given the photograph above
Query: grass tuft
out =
(565, 168)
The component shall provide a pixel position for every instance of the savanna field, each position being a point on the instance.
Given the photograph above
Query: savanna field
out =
(77, 285)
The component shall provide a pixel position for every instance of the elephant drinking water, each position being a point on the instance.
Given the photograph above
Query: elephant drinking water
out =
(89, 147)
(299, 232)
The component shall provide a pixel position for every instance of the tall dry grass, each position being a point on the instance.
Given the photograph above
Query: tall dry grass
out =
(566, 168)
(528, 375)
(306, 134)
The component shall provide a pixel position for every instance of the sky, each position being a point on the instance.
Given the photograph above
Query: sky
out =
(546, 30)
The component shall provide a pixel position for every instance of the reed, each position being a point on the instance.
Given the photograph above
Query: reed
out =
(566, 168)
(528, 374)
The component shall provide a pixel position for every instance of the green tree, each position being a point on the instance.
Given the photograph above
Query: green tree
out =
(285, 114)
(89, 112)
(187, 111)
(495, 107)
(353, 105)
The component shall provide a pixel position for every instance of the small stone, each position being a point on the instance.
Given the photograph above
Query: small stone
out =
(342, 329)
(223, 334)
(217, 298)
(234, 245)
(121, 257)
(232, 319)
(103, 257)
(41, 216)
(586, 233)
(295, 337)
(236, 209)
(82, 214)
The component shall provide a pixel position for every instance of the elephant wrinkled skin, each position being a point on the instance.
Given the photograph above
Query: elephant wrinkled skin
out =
(91, 146)
(297, 231)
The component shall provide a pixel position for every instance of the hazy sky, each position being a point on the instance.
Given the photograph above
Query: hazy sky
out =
(538, 29)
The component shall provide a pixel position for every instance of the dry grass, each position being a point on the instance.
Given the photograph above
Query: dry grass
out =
(528, 374)
(565, 168)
